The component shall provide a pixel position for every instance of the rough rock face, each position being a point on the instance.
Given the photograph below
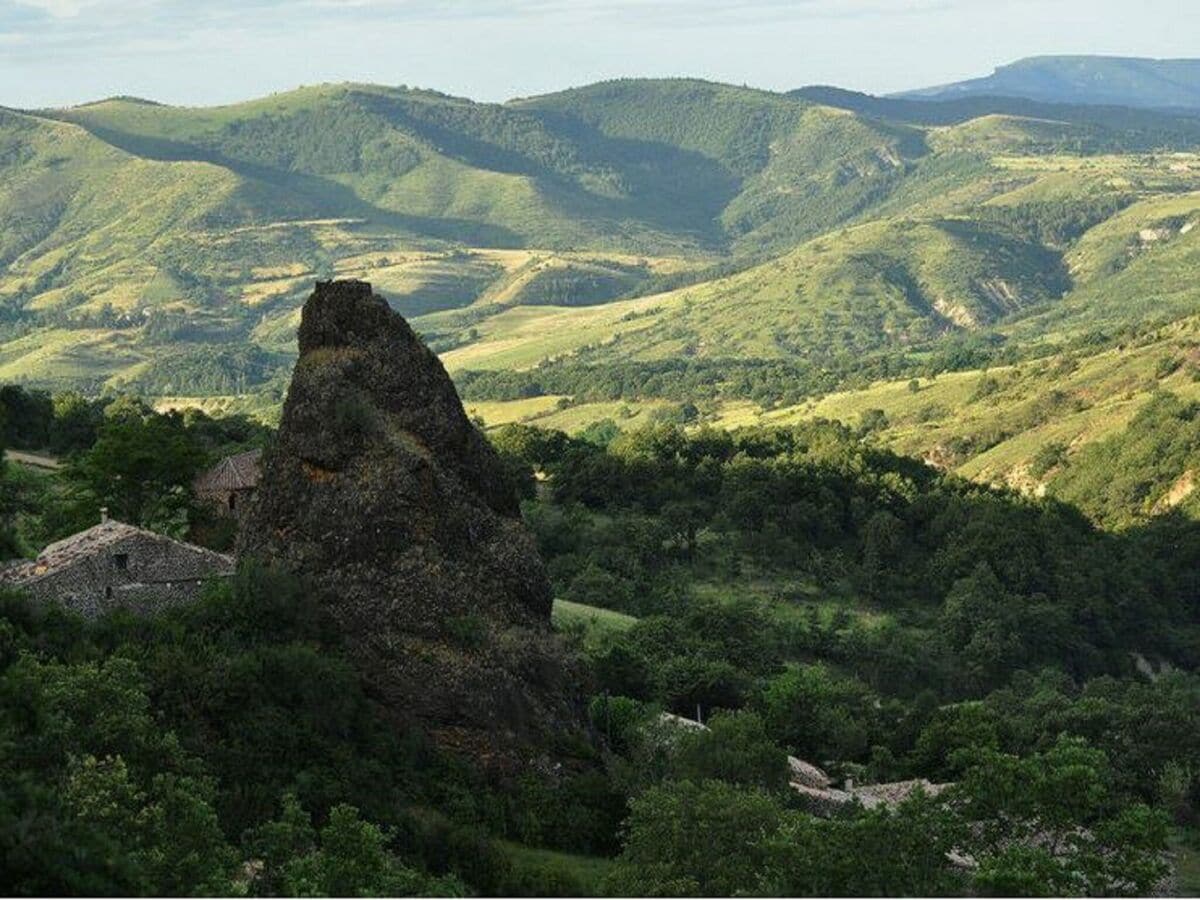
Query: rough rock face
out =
(383, 494)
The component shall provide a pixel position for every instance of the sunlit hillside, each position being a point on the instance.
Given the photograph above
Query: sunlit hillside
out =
(615, 251)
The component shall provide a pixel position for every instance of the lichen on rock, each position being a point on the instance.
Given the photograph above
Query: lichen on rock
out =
(384, 496)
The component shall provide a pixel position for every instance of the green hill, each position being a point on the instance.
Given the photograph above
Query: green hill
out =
(799, 169)
(619, 250)
(1018, 248)
(889, 283)
(1112, 429)
(731, 126)
(436, 165)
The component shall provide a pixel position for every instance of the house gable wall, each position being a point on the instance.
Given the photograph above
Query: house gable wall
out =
(157, 572)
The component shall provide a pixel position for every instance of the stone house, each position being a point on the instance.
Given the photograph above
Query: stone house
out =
(117, 565)
(816, 788)
(229, 484)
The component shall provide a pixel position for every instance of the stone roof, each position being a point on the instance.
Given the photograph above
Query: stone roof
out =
(233, 473)
(888, 794)
(805, 773)
(893, 793)
(811, 782)
(96, 539)
(681, 722)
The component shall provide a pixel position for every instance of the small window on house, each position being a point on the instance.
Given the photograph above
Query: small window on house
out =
(121, 561)
(108, 592)
(232, 502)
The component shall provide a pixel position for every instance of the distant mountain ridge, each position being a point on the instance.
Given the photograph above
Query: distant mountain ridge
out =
(1090, 80)
(1122, 123)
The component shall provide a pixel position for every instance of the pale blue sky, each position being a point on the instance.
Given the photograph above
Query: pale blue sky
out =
(57, 52)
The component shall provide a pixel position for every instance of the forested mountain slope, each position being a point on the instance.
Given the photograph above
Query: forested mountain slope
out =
(268, 195)
(1016, 247)
(644, 243)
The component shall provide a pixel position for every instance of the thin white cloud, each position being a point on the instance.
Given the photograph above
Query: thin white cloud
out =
(57, 51)
(108, 28)
(117, 14)
(65, 9)
(59, 9)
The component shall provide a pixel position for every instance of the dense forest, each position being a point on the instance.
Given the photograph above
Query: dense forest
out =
(801, 590)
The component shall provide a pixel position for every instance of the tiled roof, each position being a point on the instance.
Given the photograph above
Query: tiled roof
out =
(895, 792)
(806, 773)
(68, 550)
(681, 722)
(812, 782)
(233, 473)
(85, 544)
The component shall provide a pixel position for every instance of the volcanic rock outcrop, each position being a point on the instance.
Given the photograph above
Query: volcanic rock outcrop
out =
(384, 496)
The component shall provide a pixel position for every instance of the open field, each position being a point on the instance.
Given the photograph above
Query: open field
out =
(594, 621)
(587, 873)
(39, 461)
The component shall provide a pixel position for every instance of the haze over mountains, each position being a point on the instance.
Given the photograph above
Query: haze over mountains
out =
(625, 247)
(1105, 80)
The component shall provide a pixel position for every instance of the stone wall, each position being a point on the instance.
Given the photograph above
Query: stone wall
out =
(227, 502)
(143, 572)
